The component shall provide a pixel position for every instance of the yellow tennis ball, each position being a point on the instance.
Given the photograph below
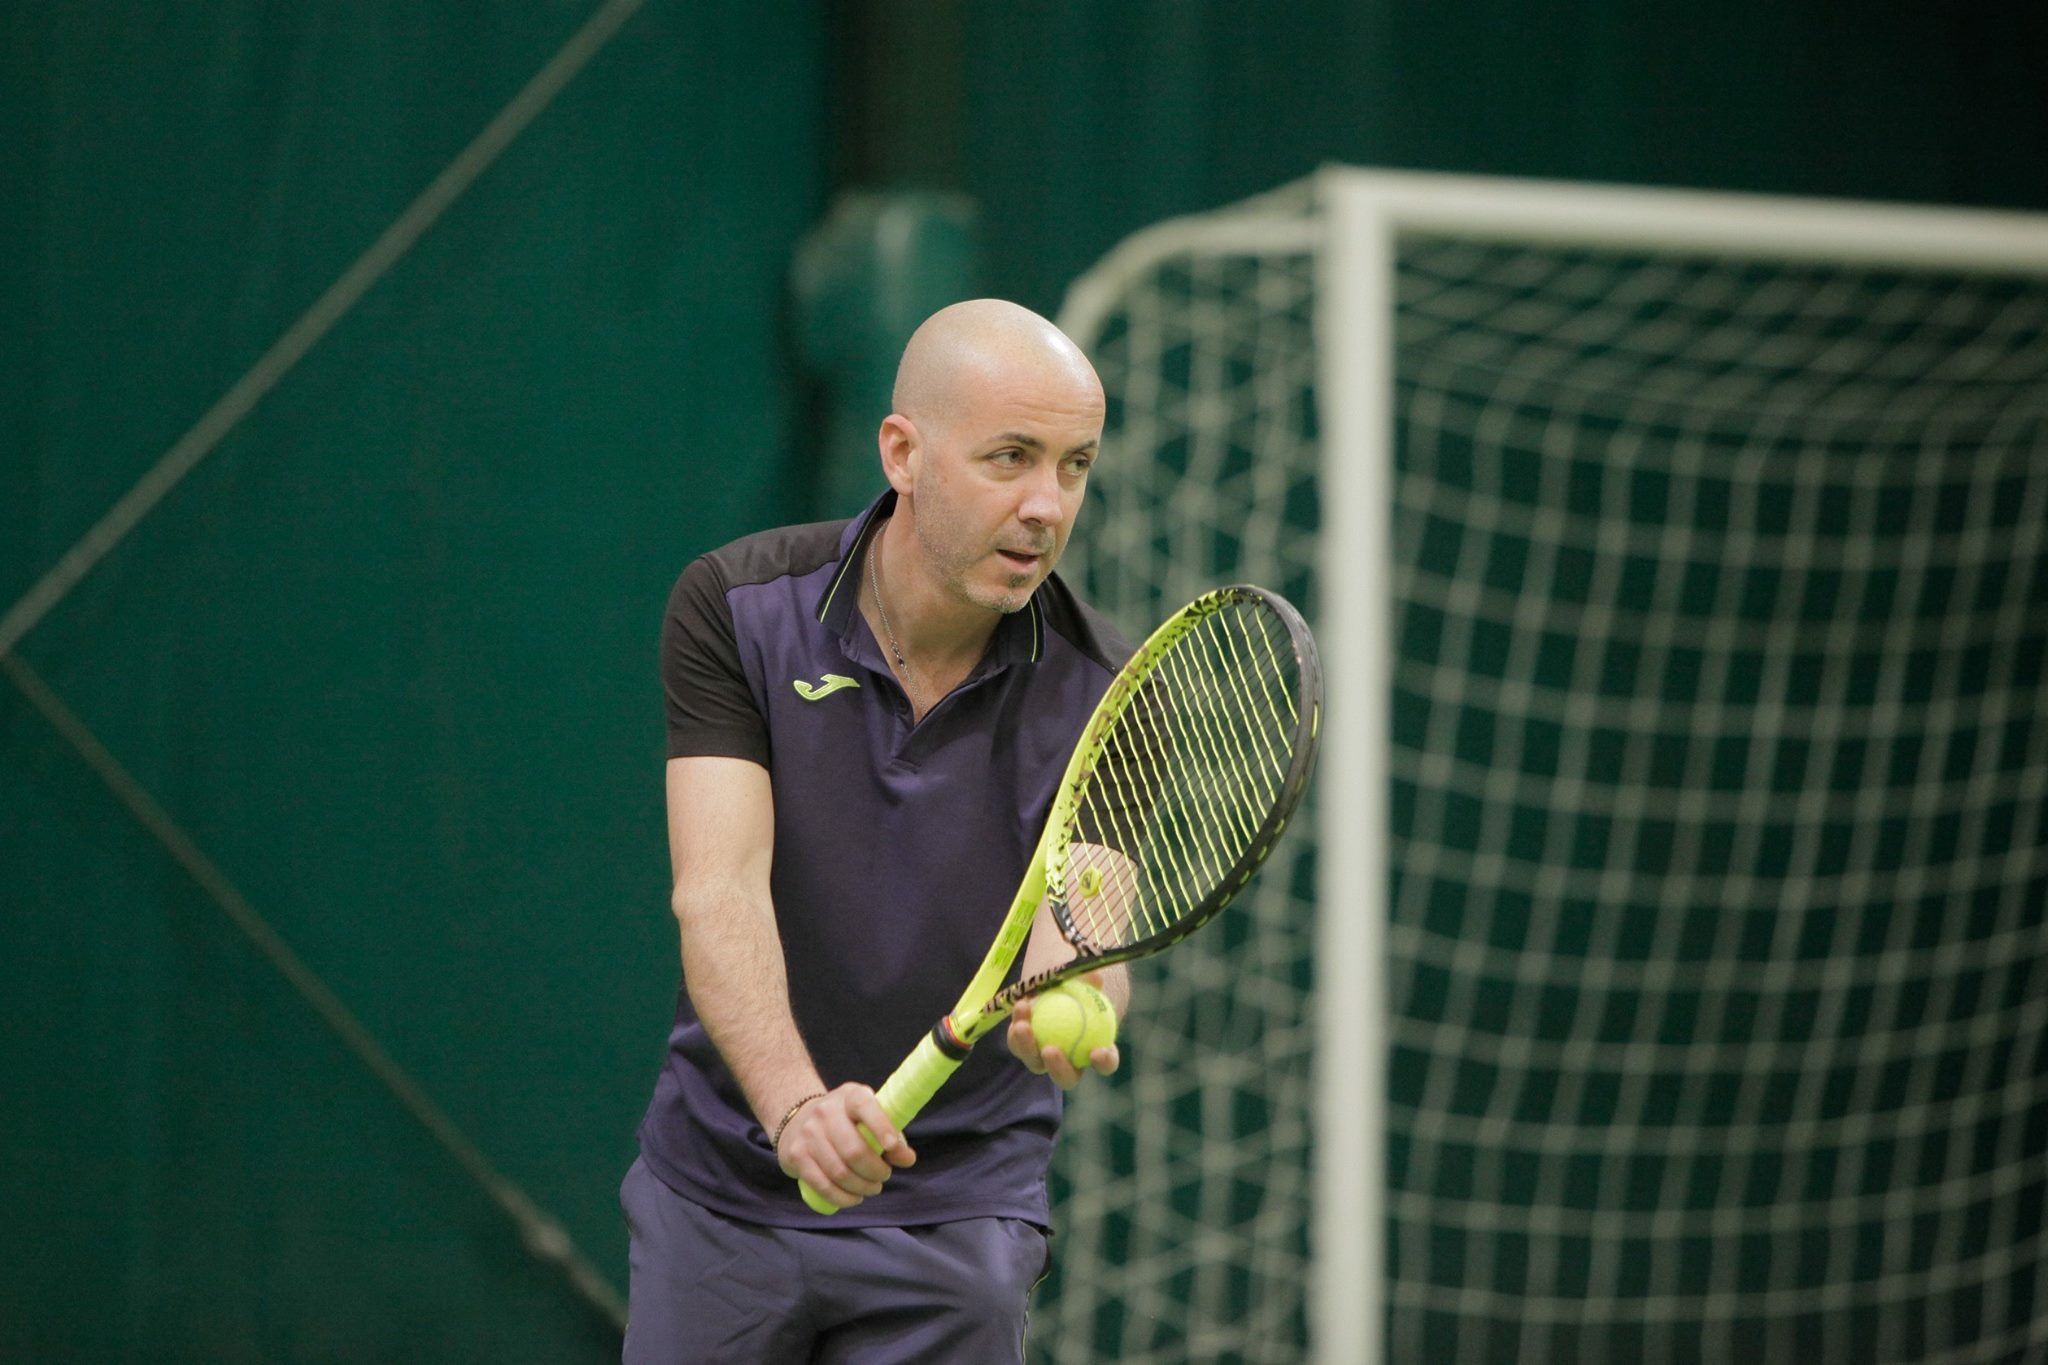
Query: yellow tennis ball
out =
(1074, 1017)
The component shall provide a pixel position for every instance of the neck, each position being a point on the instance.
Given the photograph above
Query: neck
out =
(933, 633)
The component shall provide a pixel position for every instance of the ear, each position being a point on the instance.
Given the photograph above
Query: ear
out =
(900, 445)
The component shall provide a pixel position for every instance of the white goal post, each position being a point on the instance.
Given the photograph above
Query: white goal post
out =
(1770, 308)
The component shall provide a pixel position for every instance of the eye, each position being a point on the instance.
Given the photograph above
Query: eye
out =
(1078, 465)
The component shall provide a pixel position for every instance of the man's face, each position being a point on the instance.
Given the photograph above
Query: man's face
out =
(999, 483)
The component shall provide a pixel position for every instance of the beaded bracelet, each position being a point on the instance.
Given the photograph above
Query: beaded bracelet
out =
(775, 1142)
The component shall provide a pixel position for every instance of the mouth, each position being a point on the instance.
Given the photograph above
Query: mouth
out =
(1021, 561)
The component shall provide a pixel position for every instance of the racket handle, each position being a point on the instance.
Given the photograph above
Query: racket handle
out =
(902, 1097)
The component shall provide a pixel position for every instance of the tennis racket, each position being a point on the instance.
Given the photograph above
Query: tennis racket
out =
(1180, 785)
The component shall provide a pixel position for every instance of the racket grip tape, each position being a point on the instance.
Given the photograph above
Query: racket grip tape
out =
(902, 1097)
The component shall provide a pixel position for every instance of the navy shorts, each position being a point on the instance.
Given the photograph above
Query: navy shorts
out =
(709, 1288)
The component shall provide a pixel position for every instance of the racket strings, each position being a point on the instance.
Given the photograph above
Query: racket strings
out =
(1186, 778)
(1208, 807)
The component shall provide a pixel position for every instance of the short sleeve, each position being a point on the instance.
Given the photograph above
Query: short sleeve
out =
(711, 709)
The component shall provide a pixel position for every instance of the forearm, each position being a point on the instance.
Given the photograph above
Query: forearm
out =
(1116, 984)
(733, 970)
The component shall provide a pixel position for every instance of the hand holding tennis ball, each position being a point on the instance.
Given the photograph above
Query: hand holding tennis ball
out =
(1075, 1018)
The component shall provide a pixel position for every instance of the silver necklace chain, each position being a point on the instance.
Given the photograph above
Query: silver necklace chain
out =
(875, 582)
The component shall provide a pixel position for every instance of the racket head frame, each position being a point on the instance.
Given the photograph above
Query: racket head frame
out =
(980, 1010)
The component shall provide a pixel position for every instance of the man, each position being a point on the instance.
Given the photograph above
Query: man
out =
(867, 720)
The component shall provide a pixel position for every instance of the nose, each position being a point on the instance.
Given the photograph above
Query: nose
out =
(1043, 501)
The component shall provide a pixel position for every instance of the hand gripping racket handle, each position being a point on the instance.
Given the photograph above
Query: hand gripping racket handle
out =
(902, 1097)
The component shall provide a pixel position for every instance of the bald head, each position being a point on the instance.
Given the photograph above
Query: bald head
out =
(966, 349)
(998, 420)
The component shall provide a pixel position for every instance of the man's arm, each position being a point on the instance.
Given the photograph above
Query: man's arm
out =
(721, 829)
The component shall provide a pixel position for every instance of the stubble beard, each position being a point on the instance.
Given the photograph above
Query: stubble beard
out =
(957, 563)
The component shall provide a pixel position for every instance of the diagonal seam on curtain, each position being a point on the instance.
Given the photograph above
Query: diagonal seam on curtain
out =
(543, 1235)
(245, 393)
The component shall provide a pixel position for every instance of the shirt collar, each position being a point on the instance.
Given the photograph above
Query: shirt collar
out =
(1019, 637)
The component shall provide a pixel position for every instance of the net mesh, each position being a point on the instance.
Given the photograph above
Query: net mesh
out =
(1719, 1019)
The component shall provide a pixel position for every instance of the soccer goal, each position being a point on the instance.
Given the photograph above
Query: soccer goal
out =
(1660, 972)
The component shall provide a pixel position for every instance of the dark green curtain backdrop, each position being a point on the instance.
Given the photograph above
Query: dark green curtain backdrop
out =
(1085, 121)
(388, 655)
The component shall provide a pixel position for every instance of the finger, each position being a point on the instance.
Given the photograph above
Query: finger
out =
(858, 1185)
(1059, 1068)
(866, 1164)
(884, 1141)
(1024, 1048)
(836, 1145)
(837, 1190)
(856, 1152)
(847, 1114)
(862, 1176)
(1106, 1059)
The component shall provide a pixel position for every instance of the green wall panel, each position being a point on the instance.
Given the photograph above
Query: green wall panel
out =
(388, 654)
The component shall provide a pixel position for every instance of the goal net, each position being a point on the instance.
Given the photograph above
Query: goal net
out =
(1661, 970)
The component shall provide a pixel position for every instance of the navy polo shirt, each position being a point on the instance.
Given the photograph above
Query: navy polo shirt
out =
(897, 850)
